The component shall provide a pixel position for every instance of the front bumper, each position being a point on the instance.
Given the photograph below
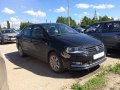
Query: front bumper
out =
(10, 40)
(81, 62)
(87, 66)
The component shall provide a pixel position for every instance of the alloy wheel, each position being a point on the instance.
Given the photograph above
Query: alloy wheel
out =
(54, 63)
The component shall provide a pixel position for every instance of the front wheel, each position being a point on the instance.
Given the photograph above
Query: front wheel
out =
(56, 63)
(20, 51)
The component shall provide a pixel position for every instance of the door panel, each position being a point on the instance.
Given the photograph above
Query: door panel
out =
(40, 48)
(110, 35)
(26, 39)
(110, 39)
(39, 44)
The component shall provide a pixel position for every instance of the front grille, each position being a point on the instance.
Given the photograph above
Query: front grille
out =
(11, 36)
(95, 48)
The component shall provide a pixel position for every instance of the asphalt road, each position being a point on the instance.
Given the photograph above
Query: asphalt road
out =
(31, 74)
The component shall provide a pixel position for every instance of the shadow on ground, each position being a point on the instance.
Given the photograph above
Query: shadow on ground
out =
(113, 53)
(7, 43)
(42, 69)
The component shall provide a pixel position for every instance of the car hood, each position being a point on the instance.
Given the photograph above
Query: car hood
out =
(78, 40)
(10, 34)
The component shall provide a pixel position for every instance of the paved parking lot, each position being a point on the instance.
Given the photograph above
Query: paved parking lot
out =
(31, 74)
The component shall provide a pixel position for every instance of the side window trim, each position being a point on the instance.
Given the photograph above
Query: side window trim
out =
(95, 29)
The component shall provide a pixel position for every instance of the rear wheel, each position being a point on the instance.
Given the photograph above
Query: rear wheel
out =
(56, 63)
(20, 51)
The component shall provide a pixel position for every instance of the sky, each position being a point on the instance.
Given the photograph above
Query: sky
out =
(38, 11)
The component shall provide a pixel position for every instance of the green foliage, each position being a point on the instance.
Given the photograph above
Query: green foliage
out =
(86, 21)
(65, 20)
(105, 18)
(115, 69)
(99, 80)
(24, 24)
(77, 86)
(8, 25)
(93, 84)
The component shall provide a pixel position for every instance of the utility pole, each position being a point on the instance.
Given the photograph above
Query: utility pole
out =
(68, 12)
(95, 14)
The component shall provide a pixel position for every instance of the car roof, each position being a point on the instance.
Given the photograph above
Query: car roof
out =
(6, 29)
(106, 22)
(47, 24)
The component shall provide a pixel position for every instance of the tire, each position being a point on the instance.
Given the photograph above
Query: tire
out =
(20, 51)
(55, 63)
(2, 41)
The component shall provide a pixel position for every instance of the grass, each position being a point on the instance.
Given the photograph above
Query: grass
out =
(115, 69)
(99, 80)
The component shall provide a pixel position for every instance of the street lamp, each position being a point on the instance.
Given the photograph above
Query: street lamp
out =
(68, 12)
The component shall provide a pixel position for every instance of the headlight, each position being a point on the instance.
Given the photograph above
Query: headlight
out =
(74, 50)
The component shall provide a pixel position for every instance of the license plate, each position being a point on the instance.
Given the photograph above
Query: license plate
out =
(99, 55)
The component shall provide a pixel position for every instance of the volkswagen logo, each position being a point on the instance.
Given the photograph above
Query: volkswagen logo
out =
(97, 48)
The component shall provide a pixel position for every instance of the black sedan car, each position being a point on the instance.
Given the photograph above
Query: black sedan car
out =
(7, 35)
(60, 46)
(3, 75)
(108, 32)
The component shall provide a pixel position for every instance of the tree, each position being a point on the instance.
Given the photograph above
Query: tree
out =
(0, 26)
(24, 24)
(72, 22)
(8, 25)
(61, 20)
(86, 21)
(94, 20)
(65, 20)
(105, 18)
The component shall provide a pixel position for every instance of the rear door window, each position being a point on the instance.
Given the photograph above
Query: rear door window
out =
(36, 32)
(116, 27)
(93, 28)
(111, 27)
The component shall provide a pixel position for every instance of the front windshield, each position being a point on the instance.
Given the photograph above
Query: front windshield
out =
(58, 29)
(7, 31)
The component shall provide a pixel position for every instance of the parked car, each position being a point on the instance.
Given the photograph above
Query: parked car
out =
(108, 32)
(84, 26)
(17, 31)
(3, 75)
(7, 35)
(79, 29)
(60, 46)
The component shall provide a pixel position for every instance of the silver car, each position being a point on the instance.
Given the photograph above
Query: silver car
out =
(3, 75)
(7, 35)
